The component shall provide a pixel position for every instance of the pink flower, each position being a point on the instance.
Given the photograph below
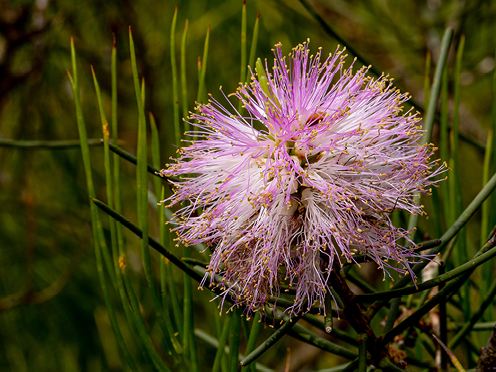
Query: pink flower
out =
(309, 176)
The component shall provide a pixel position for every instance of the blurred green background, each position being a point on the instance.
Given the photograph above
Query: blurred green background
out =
(52, 316)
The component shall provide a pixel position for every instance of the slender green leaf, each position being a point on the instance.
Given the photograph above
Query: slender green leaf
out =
(189, 343)
(219, 355)
(184, 86)
(474, 318)
(98, 243)
(48, 145)
(142, 191)
(175, 95)
(487, 270)
(488, 251)
(276, 336)
(301, 333)
(234, 339)
(214, 343)
(132, 159)
(252, 341)
(201, 86)
(253, 47)
(242, 74)
(362, 352)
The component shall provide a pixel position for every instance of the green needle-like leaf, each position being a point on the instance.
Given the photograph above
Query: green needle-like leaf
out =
(175, 95)
(487, 251)
(447, 237)
(234, 339)
(242, 74)
(468, 326)
(253, 47)
(243, 44)
(215, 343)
(436, 84)
(132, 159)
(487, 270)
(450, 275)
(276, 336)
(142, 191)
(301, 333)
(153, 243)
(328, 313)
(362, 352)
(431, 113)
(184, 86)
(336, 333)
(444, 147)
(252, 341)
(219, 355)
(48, 145)
(160, 210)
(201, 86)
(189, 343)
(95, 220)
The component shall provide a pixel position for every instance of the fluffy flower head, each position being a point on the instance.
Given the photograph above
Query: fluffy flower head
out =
(306, 177)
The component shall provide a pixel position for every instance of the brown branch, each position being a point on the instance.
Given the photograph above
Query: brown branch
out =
(356, 317)
(487, 360)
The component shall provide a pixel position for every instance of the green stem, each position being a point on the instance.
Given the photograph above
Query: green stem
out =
(393, 313)
(328, 313)
(219, 355)
(252, 340)
(356, 279)
(301, 333)
(48, 145)
(450, 275)
(153, 243)
(446, 238)
(468, 326)
(276, 336)
(132, 159)
(208, 339)
(362, 352)
(189, 343)
(234, 339)
(336, 333)
(442, 295)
